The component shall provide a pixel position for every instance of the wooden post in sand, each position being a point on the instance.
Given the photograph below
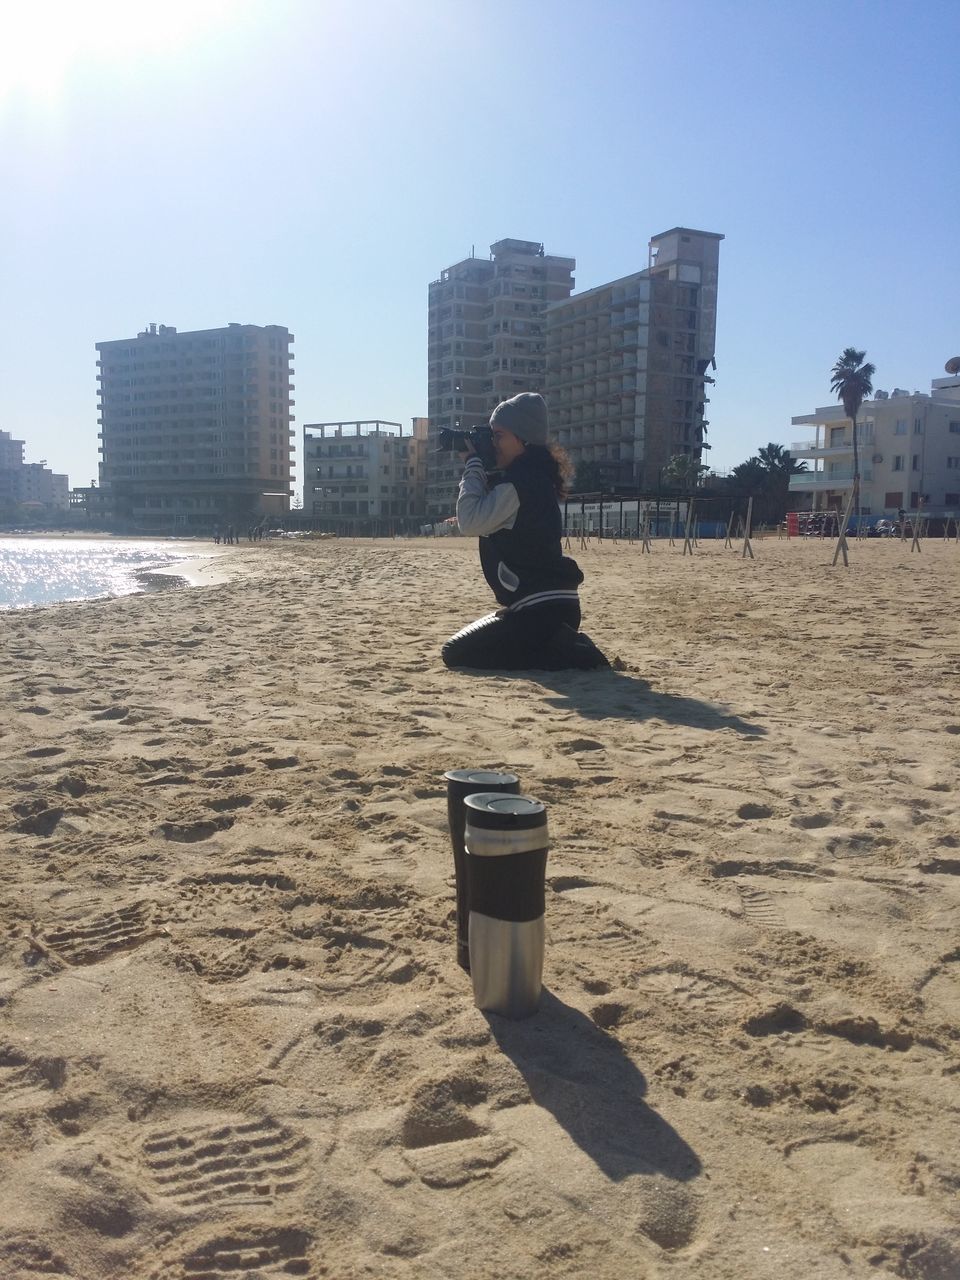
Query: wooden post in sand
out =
(747, 549)
(687, 544)
(842, 538)
(915, 544)
(726, 541)
(645, 534)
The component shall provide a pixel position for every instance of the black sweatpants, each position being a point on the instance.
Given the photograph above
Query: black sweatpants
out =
(543, 637)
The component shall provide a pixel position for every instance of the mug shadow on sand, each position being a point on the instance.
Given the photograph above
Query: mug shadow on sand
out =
(613, 695)
(585, 1079)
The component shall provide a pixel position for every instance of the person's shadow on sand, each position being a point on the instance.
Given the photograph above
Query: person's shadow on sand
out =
(608, 694)
(585, 1079)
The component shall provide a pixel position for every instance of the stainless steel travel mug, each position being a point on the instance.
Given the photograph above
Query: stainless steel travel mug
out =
(506, 857)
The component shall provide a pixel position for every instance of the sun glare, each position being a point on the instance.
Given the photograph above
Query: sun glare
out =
(44, 42)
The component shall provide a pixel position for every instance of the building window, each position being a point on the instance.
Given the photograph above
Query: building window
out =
(915, 462)
(952, 499)
(898, 462)
(901, 428)
(953, 464)
(893, 499)
(918, 426)
(955, 428)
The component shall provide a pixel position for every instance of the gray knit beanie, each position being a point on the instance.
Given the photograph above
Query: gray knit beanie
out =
(525, 415)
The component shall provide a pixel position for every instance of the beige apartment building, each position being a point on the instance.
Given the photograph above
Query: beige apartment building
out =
(627, 363)
(195, 427)
(486, 341)
(364, 475)
(29, 484)
(909, 447)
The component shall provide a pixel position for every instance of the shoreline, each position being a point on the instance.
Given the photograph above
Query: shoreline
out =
(192, 571)
(199, 571)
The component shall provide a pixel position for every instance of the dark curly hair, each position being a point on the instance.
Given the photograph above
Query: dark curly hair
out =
(555, 462)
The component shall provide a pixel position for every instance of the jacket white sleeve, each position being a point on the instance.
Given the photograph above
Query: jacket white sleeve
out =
(479, 511)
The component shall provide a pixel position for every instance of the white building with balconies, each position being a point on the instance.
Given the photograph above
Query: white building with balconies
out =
(909, 446)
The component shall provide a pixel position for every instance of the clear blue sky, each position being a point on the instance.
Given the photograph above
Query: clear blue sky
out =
(315, 164)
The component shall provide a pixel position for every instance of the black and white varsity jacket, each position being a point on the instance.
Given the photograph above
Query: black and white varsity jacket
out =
(519, 526)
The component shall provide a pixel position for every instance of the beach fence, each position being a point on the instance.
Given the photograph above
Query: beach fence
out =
(628, 518)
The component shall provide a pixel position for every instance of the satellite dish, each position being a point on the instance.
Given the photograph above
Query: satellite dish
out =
(953, 366)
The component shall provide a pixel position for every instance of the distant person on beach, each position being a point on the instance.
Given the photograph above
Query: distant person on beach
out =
(518, 522)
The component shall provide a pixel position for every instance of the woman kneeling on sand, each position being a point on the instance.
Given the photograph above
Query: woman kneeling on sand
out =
(519, 526)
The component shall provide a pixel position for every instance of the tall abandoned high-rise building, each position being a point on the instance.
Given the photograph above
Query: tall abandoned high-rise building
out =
(627, 364)
(624, 366)
(195, 427)
(486, 342)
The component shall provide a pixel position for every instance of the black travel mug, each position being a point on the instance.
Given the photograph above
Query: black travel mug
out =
(460, 784)
(506, 844)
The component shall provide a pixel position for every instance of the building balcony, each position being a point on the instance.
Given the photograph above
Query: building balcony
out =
(820, 481)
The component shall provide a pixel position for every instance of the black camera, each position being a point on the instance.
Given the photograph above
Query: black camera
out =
(481, 438)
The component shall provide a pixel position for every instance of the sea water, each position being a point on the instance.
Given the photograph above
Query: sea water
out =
(38, 571)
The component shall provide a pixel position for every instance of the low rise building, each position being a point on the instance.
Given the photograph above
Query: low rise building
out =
(909, 450)
(364, 474)
(30, 485)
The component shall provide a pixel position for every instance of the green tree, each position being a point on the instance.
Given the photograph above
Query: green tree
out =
(852, 382)
(589, 478)
(749, 476)
(684, 471)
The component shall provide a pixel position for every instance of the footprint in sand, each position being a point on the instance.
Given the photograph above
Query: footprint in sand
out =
(37, 819)
(223, 804)
(280, 762)
(244, 1249)
(760, 908)
(811, 821)
(193, 832)
(228, 771)
(750, 812)
(116, 712)
(26, 1081)
(443, 1142)
(229, 1159)
(91, 939)
(27, 1255)
(340, 1047)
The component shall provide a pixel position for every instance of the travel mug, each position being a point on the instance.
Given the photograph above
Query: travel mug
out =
(460, 784)
(506, 857)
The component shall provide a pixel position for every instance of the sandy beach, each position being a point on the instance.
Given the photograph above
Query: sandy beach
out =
(234, 1041)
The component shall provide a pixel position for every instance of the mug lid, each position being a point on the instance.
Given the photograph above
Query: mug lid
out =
(482, 777)
(497, 810)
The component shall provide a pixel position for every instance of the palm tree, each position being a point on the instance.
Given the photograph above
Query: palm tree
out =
(778, 466)
(684, 471)
(852, 381)
(779, 461)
